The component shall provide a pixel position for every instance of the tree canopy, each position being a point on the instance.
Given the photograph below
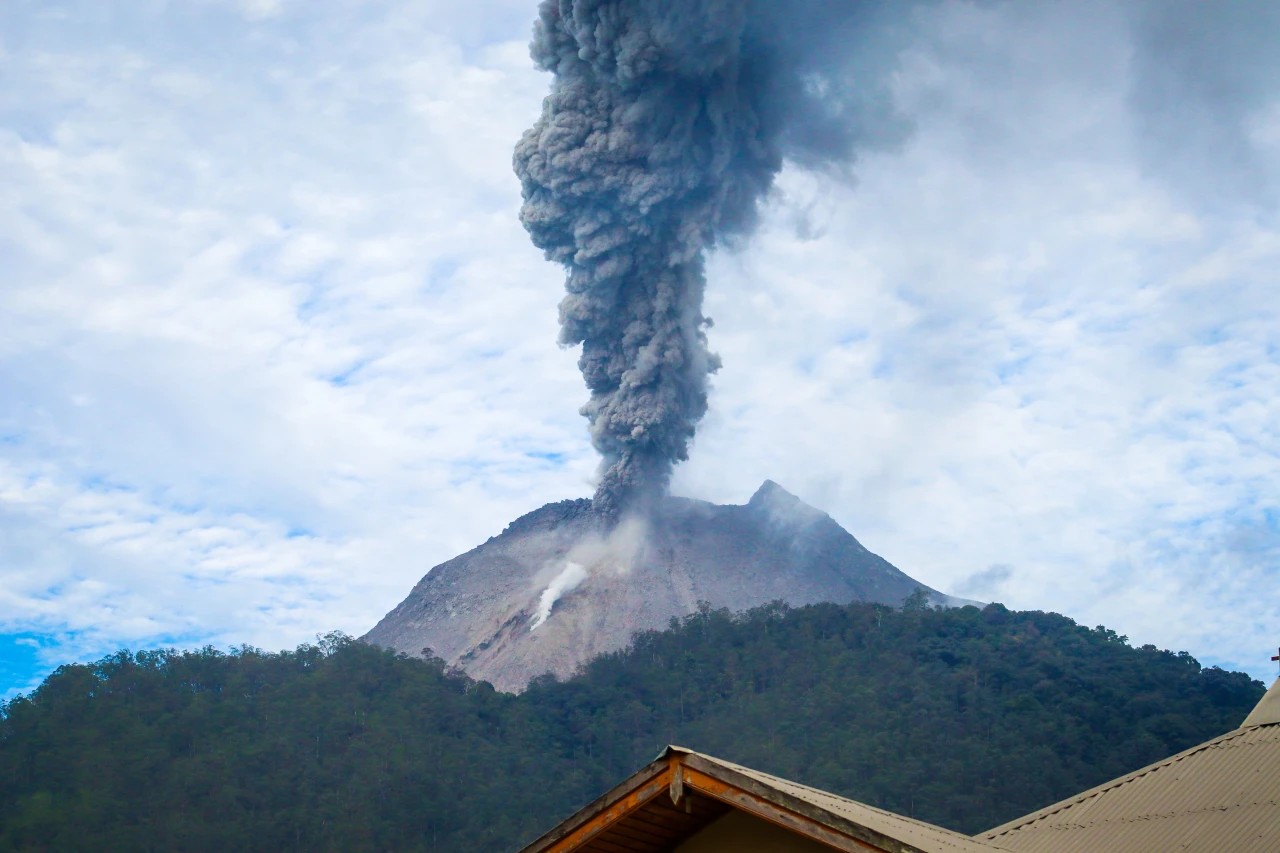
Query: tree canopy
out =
(961, 717)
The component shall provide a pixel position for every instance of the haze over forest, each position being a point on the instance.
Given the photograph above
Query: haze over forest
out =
(273, 340)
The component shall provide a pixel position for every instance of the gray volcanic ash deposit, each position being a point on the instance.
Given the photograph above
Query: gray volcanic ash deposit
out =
(562, 585)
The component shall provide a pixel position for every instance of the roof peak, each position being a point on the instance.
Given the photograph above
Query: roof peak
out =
(701, 790)
(1267, 711)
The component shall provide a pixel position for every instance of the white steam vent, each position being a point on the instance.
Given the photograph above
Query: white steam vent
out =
(569, 579)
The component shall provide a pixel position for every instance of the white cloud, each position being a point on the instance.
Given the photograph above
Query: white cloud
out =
(259, 9)
(1013, 346)
(272, 341)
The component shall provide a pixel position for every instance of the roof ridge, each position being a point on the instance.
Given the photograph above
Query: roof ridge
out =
(784, 783)
(1111, 785)
(1164, 815)
(792, 783)
(1267, 711)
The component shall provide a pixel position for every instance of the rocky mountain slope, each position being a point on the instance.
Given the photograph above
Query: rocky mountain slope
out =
(559, 587)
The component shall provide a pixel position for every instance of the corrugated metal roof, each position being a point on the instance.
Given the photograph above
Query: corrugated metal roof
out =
(1266, 711)
(917, 834)
(1221, 795)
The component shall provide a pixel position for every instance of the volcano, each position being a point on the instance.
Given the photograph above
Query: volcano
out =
(564, 584)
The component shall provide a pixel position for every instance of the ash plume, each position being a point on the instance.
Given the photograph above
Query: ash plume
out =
(664, 128)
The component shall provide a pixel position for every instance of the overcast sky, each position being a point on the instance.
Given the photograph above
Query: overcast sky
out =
(273, 341)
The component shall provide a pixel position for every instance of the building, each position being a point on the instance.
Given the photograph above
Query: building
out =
(1221, 795)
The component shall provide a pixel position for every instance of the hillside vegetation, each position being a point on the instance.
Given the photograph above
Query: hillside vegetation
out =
(962, 717)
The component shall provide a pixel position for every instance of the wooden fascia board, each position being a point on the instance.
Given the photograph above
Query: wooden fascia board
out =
(752, 796)
(606, 810)
(677, 771)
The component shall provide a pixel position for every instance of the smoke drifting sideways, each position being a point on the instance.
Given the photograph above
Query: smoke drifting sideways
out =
(614, 552)
(664, 128)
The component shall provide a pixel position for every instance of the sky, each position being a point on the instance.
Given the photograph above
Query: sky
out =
(273, 342)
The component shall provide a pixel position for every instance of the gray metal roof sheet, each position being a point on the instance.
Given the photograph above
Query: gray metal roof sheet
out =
(1266, 711)
(917, 834)
(1221, 795)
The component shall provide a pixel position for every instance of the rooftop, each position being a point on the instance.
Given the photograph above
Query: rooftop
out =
(1221, 795)
(682, 792)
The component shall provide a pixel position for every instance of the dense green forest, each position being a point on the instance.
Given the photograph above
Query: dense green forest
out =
(961, 717)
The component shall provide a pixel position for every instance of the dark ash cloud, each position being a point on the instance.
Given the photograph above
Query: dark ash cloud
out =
(665, 126)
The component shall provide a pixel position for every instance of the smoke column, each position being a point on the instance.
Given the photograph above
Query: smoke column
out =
(665, 125)
(569, 579)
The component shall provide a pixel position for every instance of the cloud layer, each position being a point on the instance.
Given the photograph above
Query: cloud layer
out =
(273, 342)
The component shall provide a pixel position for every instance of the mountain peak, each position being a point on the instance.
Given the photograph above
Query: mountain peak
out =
(784, 509)
(558, 587)
(769, 490)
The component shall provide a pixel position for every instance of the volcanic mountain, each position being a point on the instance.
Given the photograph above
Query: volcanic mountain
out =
(562, 585)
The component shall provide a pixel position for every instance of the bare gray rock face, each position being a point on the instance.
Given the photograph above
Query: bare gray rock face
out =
(564, 584)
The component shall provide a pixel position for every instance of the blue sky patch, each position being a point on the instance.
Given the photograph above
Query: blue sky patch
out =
(20, 665)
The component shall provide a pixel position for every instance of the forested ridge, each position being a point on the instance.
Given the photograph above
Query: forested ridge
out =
(963, 717)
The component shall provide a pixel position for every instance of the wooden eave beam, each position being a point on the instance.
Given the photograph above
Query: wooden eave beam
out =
(610, 813)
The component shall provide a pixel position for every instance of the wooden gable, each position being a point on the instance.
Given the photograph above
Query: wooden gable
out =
(682, 793)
